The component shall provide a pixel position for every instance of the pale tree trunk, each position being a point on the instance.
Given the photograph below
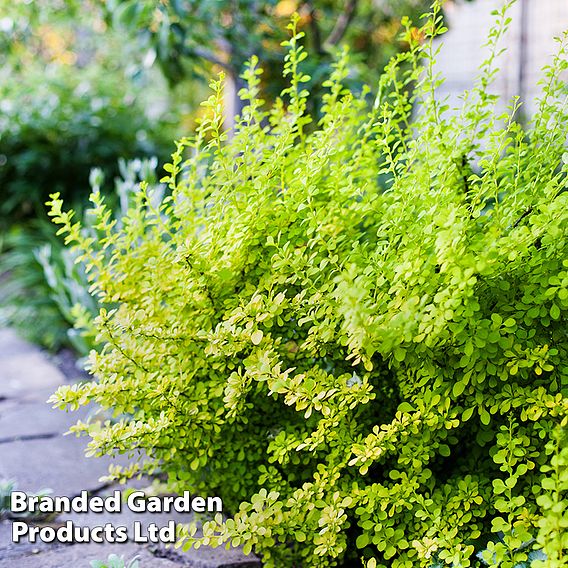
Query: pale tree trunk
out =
(233, 105)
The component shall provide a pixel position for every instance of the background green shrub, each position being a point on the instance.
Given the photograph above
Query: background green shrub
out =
(189, 39)
(73, 96)
(57, 124)
(356, 336)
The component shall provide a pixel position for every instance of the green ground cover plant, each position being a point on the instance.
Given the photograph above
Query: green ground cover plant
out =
(6, 488)
(44, 292)
(114, 561)
(353, 331)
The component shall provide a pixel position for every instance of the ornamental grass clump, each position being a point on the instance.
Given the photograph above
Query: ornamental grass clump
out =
(350, 327)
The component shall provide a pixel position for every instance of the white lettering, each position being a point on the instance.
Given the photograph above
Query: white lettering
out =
(214, 504)
(19, 529)
(138, 536)
(18, 502)
(136, 502)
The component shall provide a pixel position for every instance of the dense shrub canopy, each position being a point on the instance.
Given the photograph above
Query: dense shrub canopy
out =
(353, 331)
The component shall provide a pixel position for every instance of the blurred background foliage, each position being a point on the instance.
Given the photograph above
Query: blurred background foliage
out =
(69, 100)
(192, 38)
(97, 83)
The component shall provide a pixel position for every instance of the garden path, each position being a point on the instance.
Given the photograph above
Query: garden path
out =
(35, 454)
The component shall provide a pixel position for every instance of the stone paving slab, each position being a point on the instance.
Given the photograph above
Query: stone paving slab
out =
(206, 557)
(56, 463)
(8, 405)
(11, 344)
(80, 556)
(15, 420)
(28, 375)
(9, 549)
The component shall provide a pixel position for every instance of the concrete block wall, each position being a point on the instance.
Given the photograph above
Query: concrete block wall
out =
(529, 46)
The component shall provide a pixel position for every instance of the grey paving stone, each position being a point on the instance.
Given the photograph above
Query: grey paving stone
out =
(206, 557)
(29, 419)
(80, 556)
(56, 463)
(27, 376)
(8, 405)
(9, 550)
(11, 344)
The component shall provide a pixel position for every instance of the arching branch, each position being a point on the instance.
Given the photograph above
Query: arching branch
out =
(345, 18)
